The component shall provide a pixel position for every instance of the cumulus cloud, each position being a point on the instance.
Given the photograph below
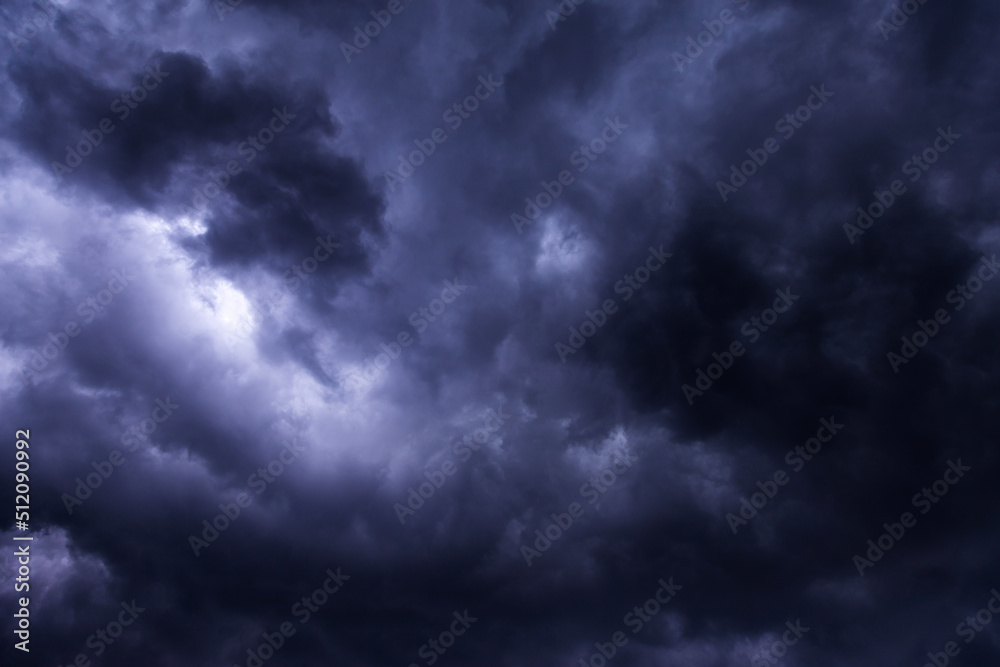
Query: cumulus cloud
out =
(502, 333)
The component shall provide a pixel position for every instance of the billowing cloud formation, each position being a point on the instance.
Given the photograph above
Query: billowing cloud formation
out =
(501, 333)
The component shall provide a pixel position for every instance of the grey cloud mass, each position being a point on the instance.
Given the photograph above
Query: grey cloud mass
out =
(500, 333)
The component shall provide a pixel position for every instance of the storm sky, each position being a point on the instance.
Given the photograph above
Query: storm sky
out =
(502, 333)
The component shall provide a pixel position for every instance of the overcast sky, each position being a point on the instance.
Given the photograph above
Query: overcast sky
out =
(631, 332)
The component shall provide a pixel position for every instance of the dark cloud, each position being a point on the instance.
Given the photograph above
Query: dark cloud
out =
(339, 345)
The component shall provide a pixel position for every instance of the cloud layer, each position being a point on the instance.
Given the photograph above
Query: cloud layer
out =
(502, 333)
